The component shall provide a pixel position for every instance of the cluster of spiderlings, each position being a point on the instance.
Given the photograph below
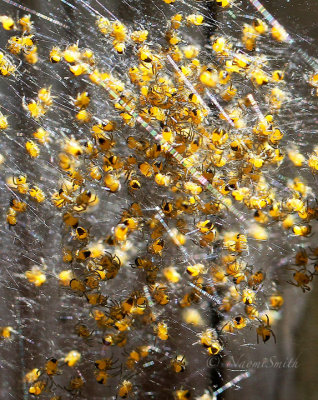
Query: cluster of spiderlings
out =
(159, 174)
